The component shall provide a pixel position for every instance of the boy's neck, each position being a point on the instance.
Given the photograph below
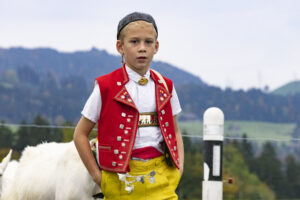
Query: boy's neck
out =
(141, 72)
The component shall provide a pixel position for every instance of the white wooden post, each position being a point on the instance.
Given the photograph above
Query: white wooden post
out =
(213, 136)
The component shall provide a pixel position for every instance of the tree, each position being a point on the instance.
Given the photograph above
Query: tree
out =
(269, 170)
(37, 134)
(190, 186)
(6, 136)
(247, 151)
(27, 75)
(292, 175)
(23, 135)
(246, 185)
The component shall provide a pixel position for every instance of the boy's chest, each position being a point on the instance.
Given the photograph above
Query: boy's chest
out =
(142, 95)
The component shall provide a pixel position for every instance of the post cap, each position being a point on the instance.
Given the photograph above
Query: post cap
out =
(213, 115)
(213, 124)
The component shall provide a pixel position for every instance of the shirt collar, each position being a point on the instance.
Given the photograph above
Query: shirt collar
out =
(133, 75)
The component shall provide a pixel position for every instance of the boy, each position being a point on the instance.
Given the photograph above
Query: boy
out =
(136, 110)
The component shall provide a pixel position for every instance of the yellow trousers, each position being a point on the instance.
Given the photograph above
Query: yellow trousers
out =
(166, 182)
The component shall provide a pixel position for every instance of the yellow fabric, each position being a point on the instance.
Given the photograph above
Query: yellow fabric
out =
(166, 182)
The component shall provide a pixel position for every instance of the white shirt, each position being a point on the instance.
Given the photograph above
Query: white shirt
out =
(144, 98)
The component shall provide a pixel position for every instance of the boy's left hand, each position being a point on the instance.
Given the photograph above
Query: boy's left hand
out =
(181, 170)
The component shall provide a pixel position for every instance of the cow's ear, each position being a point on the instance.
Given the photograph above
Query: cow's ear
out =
(5, 161)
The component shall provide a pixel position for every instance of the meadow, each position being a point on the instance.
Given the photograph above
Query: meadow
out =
(255, 130)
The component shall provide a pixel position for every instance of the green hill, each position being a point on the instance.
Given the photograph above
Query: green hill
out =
(86, 64)
(290, 88)
(259, 132)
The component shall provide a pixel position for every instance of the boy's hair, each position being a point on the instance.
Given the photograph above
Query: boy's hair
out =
(135, 16)
(136, 23)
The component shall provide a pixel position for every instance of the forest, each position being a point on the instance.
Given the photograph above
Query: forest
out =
(25, 93)
(262, 176)
(47, 88)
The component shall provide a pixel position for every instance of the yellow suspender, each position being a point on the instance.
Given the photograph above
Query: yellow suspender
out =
(161, 78)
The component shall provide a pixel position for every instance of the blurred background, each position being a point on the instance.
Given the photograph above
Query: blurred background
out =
(241, 56)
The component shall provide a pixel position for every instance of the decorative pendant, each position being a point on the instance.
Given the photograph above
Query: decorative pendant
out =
(143, 81)
(140, 178)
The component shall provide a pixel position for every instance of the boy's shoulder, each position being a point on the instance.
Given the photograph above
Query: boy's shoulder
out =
(159, 76)
(112, 76)
(112, 79)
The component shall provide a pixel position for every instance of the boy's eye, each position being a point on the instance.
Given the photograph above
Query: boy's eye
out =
(149, 41)
(133, 41)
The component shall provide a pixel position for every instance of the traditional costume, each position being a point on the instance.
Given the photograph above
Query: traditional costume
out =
(135, 124)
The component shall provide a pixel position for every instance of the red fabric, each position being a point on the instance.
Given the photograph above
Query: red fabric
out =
(146, 153)
(116, 134)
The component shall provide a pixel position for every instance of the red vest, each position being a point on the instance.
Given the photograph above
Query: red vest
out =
(119, 117)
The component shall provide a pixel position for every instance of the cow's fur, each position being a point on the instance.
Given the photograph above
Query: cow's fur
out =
(51, 171)
(9, 174)
(3, 166)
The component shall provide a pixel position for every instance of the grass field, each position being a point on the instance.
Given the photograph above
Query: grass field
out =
(260, 131)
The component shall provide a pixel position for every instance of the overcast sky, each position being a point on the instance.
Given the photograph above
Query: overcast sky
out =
(235, 43)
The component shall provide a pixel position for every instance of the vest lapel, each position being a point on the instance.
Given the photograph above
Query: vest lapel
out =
(123, 95)
(162, 95)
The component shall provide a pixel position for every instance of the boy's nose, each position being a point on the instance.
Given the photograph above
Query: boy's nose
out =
(142, 46)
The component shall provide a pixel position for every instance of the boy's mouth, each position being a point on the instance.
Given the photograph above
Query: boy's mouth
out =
(141, 58)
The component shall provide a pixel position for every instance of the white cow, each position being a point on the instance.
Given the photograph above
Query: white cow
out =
(51, 171)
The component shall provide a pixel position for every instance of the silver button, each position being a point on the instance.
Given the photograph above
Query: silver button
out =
(161, 98)
(165, 130)
(128, 120)
(165, 95)
(161, 118)
(170, 136)
(123, 114)
(121, 126)
(122, 97)
(126, 132)
(121, 157)
(167, 124)
(123, 144)
(116, 151)
(169, 142)
(163, 112)
(119, 138)
(129, 100)
(119, 83)
(114, 164)
(175, 148)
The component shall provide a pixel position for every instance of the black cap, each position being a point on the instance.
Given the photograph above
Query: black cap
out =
(136, 16)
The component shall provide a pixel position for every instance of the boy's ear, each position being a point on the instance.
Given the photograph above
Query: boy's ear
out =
(156, 46)
(119, 47)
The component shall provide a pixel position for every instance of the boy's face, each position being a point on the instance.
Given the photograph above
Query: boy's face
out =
(138, 44)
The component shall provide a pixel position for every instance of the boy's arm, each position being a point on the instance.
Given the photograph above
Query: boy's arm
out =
(81, 140)
(179, 144)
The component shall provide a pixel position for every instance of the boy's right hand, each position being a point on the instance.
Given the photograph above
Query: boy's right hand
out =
(97, 178)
